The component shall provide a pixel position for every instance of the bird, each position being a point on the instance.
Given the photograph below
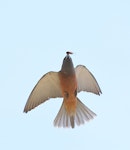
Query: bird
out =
(66, 84)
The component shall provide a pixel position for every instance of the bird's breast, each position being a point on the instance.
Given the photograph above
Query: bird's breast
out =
(68, 84)
(69, 91)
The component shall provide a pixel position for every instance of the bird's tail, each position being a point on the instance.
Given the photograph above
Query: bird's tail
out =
(82, 114)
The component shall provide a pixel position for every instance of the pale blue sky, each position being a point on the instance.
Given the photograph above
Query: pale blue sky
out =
(34, 36)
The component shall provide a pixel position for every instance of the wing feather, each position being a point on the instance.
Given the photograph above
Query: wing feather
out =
(86, 81)
(47, 87)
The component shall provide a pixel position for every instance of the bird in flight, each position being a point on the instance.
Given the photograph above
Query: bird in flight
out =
(66, 84)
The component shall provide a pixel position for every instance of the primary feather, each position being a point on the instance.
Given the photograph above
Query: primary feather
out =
(47, 87)
(86, 81)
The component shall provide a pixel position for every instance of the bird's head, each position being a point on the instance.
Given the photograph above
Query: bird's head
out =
(67, 65)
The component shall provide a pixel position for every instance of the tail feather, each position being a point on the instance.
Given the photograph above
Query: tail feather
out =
(83, 113)
(72, 121)
(64, 119)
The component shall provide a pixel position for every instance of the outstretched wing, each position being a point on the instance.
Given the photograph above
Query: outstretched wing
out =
(47, 87)
(86, 81)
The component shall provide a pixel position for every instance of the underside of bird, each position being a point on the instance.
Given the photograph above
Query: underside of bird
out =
(66, 83)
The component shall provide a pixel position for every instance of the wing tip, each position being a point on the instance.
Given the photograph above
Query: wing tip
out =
(99, 93)
(25, 110)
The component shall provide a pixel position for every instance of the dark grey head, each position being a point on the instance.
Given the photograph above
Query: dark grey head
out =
(67, 66)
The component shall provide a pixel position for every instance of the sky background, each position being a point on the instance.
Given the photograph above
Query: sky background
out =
(34, 36)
